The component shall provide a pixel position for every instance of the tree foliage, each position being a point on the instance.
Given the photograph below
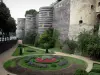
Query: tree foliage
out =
(7, 23)
(47, 37)
(89, 44)
(31, 12)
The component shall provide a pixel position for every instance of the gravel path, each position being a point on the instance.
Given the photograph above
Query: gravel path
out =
(3, 58)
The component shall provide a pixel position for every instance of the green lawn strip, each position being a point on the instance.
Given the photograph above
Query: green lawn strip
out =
(77, 61)
(37, 51)
(16, 52)
(50, 50)
(10, 63)
(96, 66)
(95, 70)
(56, 49)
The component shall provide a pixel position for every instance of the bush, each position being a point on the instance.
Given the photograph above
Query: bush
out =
(31, 51)
(70, 46)
(53, 65)
(80, 72)
(62, 63)
(89, 44)
(95, 70)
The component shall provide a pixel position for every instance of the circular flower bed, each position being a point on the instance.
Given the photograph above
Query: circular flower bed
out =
(49, 65)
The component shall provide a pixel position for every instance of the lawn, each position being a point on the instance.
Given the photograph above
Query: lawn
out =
(69, 59)
(95, 70)
(29, 50)
(10, 63)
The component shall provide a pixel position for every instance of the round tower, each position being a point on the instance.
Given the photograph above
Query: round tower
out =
(82, 17)
(20, 28)
(45, 18)
(30, 23)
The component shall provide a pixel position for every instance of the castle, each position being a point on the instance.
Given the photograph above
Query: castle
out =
(69, 17)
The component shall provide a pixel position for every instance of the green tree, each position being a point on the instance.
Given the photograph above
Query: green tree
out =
(4, 15)
(46, 46)
(89, 44)
(47, 37)
(31, 12)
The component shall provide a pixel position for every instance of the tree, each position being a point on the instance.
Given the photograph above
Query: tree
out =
(4, 15)
(46, 46)
(10, 26)
(47, 37)
(31, 12)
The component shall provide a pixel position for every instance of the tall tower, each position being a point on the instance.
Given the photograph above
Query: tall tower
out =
(20, 28)
(30, 24)
(45, 18)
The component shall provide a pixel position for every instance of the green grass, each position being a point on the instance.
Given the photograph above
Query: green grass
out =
(9, 63)
(96, 66)
(12, 63)
(37, 51)
(95, 70)
(70, 61)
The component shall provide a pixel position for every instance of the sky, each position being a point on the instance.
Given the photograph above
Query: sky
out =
(19, 7)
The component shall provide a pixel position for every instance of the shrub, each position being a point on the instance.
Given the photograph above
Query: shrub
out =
(95, 70)
(38, 65)
(80, 72)
(53, 65)
(31, 51)
(62, 63)
(89, 44)
(27, 59)
(70, 46)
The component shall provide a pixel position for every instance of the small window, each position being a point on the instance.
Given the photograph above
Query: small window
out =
(81, 21)
(99, 4)
(92, 7)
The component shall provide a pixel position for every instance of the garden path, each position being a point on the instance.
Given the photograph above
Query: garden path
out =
(3, 58)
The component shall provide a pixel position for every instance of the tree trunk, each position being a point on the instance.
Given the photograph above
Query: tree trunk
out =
(47, 51)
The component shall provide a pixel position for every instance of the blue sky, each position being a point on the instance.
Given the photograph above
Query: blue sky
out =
(18, 7)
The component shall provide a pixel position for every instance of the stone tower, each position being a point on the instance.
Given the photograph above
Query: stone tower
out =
(30, 24)
(45, 18)
(20, 28)
(82, 17)
(61, 18)
(98, 13)
(73, 16)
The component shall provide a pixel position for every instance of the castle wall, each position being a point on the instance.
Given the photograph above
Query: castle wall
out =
(97, 5)
(20, 28)
(82, 16)
(30, 24)
(61, 19)
(45, 18)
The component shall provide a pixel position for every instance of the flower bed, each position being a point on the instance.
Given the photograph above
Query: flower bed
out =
(47, 60)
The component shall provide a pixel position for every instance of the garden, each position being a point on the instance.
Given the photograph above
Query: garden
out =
(44, 64)
(26, 50)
